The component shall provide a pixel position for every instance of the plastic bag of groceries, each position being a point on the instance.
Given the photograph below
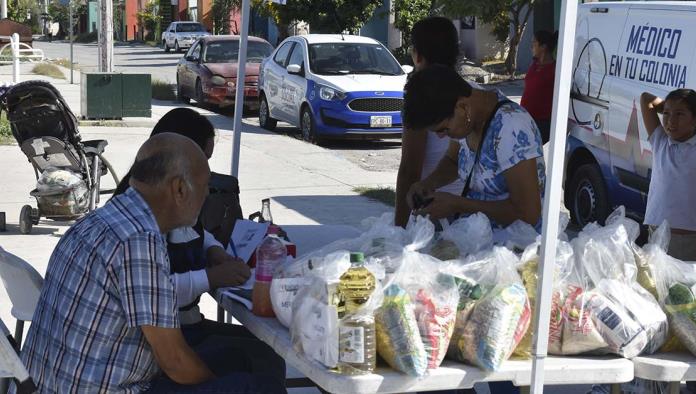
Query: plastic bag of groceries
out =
(314, 328)
(652, 257)
(626, 315)
(54, 180)
(381, 242)
(528, 270)
(676, 291)
(493, 313)
(518, 235)
(416, 320)
(464, 236)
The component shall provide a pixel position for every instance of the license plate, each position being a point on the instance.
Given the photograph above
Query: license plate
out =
(380, 121)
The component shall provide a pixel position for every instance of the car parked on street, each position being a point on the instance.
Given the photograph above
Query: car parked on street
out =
(333, 86)
(181, 35)
(208, 71)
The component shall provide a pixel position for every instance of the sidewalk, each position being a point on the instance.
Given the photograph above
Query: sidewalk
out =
(308, 184)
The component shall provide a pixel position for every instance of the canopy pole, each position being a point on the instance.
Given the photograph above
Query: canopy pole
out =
(553, 193)
(239, 95)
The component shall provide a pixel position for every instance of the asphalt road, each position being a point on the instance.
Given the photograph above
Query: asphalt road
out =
(128, 58)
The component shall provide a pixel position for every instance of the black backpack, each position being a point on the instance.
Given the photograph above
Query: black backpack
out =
(221, 208)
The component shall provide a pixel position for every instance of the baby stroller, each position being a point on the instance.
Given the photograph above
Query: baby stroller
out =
(67, 169)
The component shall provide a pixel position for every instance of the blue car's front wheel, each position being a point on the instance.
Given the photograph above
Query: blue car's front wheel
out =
(307, 126)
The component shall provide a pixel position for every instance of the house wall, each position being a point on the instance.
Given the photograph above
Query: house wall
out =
(478, 42)
(132, 7)
(377, 26)
(205, 15)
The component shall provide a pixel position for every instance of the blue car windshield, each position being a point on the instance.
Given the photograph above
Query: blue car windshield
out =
(228, 51)
(342, 58)
(189, 27)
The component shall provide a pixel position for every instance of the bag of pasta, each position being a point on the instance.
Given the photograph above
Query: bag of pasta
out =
(489, 328)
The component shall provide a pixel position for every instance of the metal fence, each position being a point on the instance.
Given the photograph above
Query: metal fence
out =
(15, 52)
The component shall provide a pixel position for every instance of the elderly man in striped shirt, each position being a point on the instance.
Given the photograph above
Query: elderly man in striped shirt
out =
(107, 318)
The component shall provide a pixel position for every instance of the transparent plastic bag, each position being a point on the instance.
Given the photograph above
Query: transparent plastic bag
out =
(528, 270)
(676, 289)
(464, 236)
(496, 322)
(627, 316)
(382, 243)
(316, 329)
(53, 179)
(432, 303)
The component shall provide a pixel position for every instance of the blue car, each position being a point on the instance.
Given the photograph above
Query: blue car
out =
(333, 86)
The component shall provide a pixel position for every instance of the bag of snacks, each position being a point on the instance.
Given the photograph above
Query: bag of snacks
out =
(463, 237)
(422, 295)
(495, 323)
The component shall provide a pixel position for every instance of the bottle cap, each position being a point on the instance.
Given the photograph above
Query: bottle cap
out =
(357, 257)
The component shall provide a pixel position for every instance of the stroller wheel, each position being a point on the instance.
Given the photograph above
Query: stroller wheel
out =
(25, 220)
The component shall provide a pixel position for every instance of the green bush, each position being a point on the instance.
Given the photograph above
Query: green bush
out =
(49, 70)
(5, 131)
(162, 90)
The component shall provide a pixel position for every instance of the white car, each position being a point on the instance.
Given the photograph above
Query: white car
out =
(181, 35)
(333, 86)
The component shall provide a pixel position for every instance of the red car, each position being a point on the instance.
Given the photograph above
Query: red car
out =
(208, 71)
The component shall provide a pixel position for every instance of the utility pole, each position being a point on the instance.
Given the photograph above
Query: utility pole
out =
(106, 36)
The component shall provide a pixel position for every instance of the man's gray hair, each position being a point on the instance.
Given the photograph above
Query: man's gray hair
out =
(161, 166)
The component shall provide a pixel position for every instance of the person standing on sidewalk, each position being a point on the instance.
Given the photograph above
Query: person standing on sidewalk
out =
(537, 97)
(434, 40)
(673, 180)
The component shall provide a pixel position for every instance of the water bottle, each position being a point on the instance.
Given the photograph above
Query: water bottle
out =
(269, 255)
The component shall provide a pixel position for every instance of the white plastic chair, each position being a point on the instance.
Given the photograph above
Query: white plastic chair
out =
(23, 285)
(11, 365)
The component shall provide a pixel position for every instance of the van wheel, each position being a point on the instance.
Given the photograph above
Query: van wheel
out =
(26, 221)
(589, 200)
(265, 120)
(176, 47)
(165, 46)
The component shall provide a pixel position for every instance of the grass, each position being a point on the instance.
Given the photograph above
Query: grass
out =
(5, 131)
(65, 63)
(162, 90)
(49, 70)
(385, 195)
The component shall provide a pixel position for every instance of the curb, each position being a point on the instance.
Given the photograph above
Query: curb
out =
(117, 123)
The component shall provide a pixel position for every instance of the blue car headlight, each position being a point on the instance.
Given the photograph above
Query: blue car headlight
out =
(328, 93)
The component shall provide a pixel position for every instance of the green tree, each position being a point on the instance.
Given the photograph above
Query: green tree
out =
(150, 19)
(406, 14)
(221, 10)
(508, 19)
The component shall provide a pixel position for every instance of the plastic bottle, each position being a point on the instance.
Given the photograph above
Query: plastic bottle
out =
(357, 352)
(269, 255)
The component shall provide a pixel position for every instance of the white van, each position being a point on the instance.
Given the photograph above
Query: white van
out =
(621, 50)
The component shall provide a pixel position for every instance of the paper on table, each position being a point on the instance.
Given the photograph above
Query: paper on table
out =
(241, 293)
(246, 236)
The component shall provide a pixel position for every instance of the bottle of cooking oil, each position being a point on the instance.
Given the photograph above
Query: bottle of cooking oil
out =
(357, 350)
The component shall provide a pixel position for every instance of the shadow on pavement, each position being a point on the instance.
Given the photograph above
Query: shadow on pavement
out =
(38, 229)
(338, 209)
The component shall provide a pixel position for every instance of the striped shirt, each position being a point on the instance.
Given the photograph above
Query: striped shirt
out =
(108, 275)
